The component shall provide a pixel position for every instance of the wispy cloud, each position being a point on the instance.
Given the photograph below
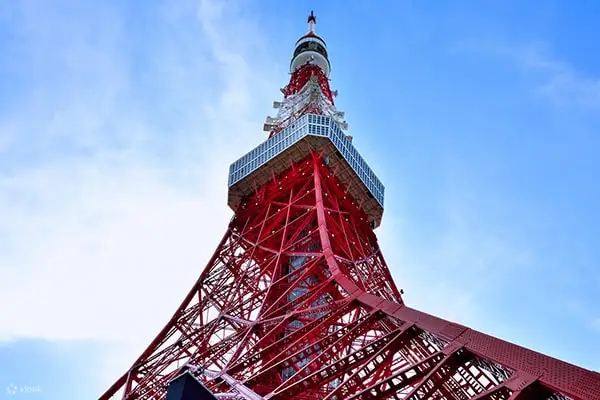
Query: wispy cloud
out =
(581, 311)
(450, 272)
(111, 207)
(557, 79)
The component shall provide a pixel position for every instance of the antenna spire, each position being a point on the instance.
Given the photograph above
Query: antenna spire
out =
(312, 21)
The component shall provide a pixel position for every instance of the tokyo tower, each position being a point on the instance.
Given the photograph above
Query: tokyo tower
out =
(297, 301)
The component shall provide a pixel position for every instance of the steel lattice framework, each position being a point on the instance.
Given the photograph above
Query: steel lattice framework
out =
(298, 302)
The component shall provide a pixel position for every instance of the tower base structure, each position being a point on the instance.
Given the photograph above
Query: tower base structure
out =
(297, 302)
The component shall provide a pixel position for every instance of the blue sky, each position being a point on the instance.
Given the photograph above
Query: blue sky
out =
(118, 123)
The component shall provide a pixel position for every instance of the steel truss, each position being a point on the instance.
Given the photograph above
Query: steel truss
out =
(298, 302)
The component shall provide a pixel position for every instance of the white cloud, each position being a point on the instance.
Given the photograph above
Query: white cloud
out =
(554, 78)
(560, 81)
(452, 271)
(108, 219)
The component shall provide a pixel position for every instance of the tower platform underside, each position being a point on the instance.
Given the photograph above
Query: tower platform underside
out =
(309, 132)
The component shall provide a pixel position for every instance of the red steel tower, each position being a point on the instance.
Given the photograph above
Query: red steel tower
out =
(297, 300)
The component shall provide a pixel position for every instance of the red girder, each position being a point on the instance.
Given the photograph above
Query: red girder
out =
(332, 344)
(301, 76)
(297, 301)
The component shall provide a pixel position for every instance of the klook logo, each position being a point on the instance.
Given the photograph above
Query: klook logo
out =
(13, 389)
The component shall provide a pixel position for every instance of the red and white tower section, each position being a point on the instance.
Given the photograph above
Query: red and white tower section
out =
(308, 90)
(297, 300)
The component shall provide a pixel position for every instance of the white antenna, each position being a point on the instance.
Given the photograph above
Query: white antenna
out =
(312, 22)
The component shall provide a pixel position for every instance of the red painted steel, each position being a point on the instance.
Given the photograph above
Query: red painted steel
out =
(302, 75)
(298, 80)
(298, 302)
(334, 325)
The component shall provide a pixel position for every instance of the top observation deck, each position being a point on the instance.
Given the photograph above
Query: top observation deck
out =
(318, 132)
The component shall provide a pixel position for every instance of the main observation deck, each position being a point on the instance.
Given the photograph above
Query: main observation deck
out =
(310, 131)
